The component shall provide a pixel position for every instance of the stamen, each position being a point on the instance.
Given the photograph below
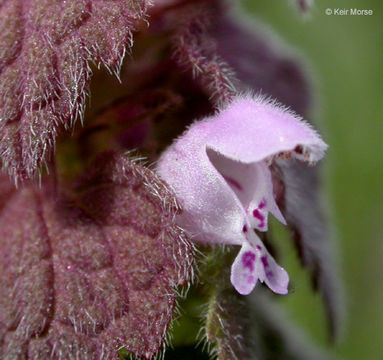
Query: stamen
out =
(233, 182)
(299, 149)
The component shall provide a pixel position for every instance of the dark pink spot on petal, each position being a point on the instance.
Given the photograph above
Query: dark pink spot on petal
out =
(258, 215)
(244, 229)
(233, 182)
(262, 204)
(259, 247)
(265, 261)
(269, 274)
(248, 259)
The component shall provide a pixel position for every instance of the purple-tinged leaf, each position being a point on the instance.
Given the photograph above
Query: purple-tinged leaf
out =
(194, 49)
(131, 124)
(44, 73)
(302, 208)
(26, 301)
(90, 271)
(262, 65)
(7, 189)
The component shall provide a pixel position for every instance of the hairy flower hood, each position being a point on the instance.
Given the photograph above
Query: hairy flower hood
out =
(219, 171)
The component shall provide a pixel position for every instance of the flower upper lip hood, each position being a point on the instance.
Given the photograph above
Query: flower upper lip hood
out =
(219, 171)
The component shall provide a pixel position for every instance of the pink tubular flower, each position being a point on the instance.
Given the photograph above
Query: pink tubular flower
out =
(219, 171)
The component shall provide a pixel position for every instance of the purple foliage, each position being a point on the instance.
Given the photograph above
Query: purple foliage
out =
(91, 270)
(262, 66)
(44, 72)
(195, 49)
(90, 266)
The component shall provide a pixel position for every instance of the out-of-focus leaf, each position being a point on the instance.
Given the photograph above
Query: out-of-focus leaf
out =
(266, 68)
(45, 47)
(262, 65)
(304, 5)
(86, 272)
(131, 123)
(302, 208)
(273, 337)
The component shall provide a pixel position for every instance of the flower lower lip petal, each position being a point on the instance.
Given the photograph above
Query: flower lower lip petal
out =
(244, 271)
(276, 278)
(254, 263)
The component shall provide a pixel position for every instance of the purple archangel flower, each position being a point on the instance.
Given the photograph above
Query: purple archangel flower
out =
(91, 258)
(219, 171)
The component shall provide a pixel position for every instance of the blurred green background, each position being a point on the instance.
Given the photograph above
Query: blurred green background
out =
(345, 53)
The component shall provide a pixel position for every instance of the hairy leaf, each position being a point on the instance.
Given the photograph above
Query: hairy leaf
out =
(265, 68)
(194, 49)
(252, 328)
(226, 323)
(45, 47)
(87, 272)
(7, 189)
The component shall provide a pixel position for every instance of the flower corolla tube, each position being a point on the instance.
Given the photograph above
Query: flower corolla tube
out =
(219, 172)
